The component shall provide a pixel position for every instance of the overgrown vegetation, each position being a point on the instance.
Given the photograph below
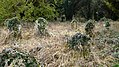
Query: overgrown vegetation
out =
(14, 58)
(78, 39)
(73, 33)
(27, 10)
(14, 27)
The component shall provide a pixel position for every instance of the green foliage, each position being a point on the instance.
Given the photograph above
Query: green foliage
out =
(14, 27)
(27, 10)
(14, 58)
(57, 4)
(77, 40)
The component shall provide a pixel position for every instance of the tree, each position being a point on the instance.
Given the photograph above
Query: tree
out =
(84, 6)
(96, 9)
(113, 5)
(27, 9)
(69, 8)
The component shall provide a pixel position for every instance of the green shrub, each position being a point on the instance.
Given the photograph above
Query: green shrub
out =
(26, 10)
(78, 39)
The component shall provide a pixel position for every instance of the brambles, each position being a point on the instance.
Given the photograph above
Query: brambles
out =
(14, 27)
(80, 42)
(78, 39)
(41, 25)
(13, 58)
(89, 28)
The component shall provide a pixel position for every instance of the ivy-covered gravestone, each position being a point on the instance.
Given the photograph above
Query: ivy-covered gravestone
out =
(107, 25)
(74, 24)
(14, 27)
(40, 26)
(89, 28)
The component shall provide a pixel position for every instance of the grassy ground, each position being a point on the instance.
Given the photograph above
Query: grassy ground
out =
(54, 51)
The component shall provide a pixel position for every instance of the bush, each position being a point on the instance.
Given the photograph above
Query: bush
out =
(78, 39)
(26, 10)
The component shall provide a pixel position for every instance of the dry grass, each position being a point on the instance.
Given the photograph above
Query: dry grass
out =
(54, 52)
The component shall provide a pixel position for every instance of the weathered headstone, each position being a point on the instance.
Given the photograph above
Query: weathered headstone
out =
(107, 25)
(74, 24)
(62, 18)
(40, 26)
(106, 22)
(89, 28)
(14, 27)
